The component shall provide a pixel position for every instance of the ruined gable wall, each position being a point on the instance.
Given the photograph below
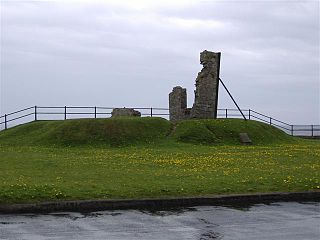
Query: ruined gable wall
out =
(177, 103)
(206, 93)
(207, 82)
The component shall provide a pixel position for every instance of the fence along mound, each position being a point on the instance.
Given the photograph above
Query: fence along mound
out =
(35, 113)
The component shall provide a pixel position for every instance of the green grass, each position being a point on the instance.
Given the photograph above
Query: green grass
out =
(149, 157)
(226, 132)
(111, 131)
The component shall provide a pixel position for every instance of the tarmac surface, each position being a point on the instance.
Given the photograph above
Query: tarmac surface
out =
(282, 220)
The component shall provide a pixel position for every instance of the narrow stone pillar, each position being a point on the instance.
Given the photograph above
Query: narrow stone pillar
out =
(207, 84)
(177, 103)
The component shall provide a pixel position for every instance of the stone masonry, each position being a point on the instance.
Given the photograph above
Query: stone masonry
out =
(178, 103)
(125, 112)
(207, 82)
(206, 93)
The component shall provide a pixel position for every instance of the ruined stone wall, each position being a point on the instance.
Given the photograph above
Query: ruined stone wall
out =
(177, 103)
(207, 83)
(206, 93)
(125, 112)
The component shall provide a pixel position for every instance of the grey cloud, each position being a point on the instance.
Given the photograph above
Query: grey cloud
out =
(55, 53)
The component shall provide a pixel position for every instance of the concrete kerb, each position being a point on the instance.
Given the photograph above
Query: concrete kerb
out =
(100, 205)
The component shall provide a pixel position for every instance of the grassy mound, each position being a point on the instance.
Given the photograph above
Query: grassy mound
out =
(37, 163)
(134, 131)
(226, 131)
(110, 131)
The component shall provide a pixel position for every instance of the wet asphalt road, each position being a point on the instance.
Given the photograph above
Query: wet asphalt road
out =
(274, 221)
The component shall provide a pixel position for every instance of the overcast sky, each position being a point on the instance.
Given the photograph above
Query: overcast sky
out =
(120, 53)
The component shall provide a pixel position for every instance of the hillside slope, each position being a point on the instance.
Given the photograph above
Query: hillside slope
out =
(133, 131)
(226, 131)
(110, 131)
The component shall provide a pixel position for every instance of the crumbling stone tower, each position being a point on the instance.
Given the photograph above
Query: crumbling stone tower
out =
(206, 93)
(178, 103)
(207, 83)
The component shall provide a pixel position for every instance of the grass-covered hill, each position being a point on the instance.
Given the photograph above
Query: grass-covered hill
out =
(73, 132)
(150, 157)
(226, 131)
(135, 131)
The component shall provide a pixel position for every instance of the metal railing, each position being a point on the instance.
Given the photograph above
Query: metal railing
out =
(35, 113)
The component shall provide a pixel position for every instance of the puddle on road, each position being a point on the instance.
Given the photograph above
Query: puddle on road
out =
(210, 235)
(167, 211)
(7, 223)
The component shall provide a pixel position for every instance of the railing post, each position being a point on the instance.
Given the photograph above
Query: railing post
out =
(249, 114)
(311, 130)
(226, 112)
(5, 121)
(35, 113)
(291, 130)
(270, 121)
(65, 112)
(95, 112)
(151, 112)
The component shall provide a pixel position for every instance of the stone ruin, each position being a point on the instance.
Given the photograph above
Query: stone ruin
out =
(206, 93)
(125, 112)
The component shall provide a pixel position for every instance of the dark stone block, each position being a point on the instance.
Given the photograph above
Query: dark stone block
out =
(244, 138)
